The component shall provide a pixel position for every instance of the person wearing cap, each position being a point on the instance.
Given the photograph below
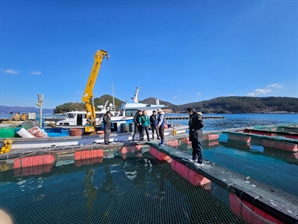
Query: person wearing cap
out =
(196, 136)
(107, 127)
(137, 124)
(161, 125)
(153, 124)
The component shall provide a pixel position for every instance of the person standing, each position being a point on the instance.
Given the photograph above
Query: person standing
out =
(161, 125)
(107, 127)
(153, 123)
(196, 136)
(137, 125)
(145, 121)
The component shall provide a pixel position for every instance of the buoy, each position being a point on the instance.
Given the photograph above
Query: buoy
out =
(4, 167)
(174, 131)
(7, 146)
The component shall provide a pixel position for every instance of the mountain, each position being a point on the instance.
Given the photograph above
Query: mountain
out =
(237, 104)
(16, 109)
(66, 107)
(219, 105)
(102, 100)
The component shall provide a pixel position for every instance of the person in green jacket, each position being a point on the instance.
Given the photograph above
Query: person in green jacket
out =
(145, 122)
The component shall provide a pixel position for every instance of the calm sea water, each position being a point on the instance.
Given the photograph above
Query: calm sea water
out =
(244, 120)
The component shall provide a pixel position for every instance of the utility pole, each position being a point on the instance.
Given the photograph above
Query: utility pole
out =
(39, 103)
(113, 96)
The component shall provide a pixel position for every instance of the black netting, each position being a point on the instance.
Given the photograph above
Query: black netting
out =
(138, 189)
(135, 188)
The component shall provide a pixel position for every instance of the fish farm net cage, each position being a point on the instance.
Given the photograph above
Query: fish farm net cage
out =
(134, 189)
(280, 127)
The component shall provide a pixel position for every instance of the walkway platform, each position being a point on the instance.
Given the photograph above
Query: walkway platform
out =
(179, 117)
(264, 200)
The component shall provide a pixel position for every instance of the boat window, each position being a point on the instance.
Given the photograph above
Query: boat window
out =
(118, 113)
(70, 115)
(130, 113)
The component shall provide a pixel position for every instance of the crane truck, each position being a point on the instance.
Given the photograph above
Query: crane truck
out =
(88, 97)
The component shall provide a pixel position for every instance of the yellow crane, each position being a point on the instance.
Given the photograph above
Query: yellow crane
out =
(88, 97)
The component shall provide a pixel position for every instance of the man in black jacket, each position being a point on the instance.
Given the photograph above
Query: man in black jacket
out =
(138, 125)
(196, 136)
(153, 123)
(107, 127)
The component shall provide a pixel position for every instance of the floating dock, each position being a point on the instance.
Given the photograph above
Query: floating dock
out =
(168, 117)
(181, 117)
(254, 201)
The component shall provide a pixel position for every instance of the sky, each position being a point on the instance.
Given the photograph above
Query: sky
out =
(176, 51)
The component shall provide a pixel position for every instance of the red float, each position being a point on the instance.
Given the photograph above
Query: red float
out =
(287, 146)
(131, 148)
(34, 170)
(88, 154)
(159, 155)
(211, 137)
(33, 161)
(249, 212)
(189, 174)
(239, 138)
(173, 143)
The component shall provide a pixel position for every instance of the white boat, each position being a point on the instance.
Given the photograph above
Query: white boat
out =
(123, 116)
(130, 109)
(76, 119)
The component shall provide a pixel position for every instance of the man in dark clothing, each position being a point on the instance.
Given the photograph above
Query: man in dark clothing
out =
(161, 125)
(196, 136)
(138, 125)
(107, 127)
(153, 124)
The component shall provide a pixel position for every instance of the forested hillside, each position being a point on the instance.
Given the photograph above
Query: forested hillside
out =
(66, 107)
(219, 105)
(238, 104)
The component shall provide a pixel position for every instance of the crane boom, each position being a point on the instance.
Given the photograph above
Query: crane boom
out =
(88, 96)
